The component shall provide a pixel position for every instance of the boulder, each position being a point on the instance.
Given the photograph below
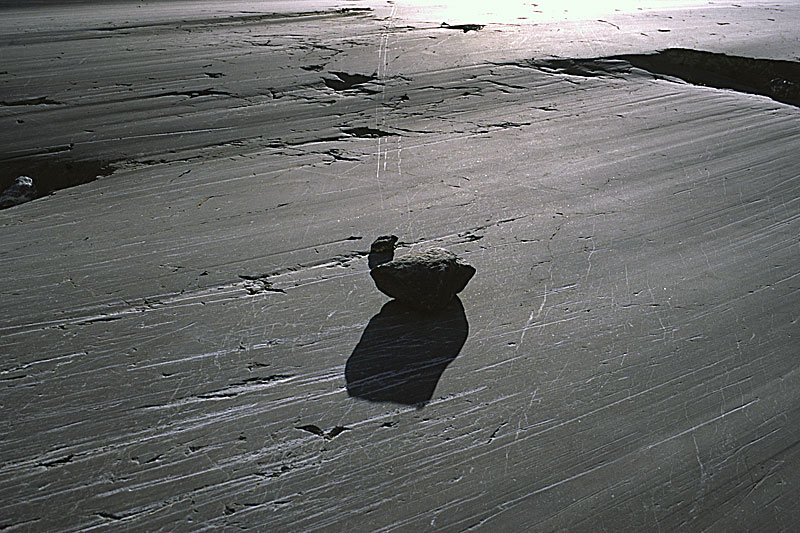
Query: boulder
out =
(425, 280)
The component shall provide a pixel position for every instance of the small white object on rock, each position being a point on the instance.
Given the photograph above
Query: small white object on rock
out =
(23, 190)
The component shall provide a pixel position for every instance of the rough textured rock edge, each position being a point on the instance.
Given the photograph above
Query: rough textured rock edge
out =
(426, 280)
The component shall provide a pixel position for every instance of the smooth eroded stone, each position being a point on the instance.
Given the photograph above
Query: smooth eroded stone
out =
(425, 280)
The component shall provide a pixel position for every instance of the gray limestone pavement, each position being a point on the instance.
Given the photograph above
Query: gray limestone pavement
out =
(193, 341)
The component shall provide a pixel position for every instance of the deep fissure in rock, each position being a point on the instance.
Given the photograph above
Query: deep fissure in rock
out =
(462, 27)
(777, 79)
(349, 81)
(51, 173)
(780, 80)
(366, 132)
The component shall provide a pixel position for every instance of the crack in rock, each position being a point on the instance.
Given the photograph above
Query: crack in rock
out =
(366, 132)
(463, 27)
(52, 173)
(330, 435)
(776, 79)
(41, 100)
(192, 93)
(350, 81)
(57, 462)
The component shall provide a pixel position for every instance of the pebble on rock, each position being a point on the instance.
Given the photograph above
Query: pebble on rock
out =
(382, 250)
(425, 280)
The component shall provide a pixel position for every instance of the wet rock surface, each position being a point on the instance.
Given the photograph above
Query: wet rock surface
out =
(424, 280)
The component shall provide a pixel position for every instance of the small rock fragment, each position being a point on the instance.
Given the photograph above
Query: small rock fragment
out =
(23, 190)
(384, 243)
(382, 250)
(425, 280)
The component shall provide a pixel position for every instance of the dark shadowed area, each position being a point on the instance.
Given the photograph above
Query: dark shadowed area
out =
(402, 354)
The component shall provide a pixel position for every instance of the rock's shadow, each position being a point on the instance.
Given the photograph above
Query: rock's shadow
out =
(402, 353)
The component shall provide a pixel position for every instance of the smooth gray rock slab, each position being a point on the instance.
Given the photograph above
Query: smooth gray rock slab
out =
(425, 280)
(626, 361)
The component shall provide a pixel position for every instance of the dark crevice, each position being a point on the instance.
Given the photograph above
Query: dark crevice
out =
(366, 132)
(776, 79)
(51, 172)
(330, 435)
(232, 392)
(264, 380)
(588, 68)
(17, 525)
(463, 27)
(294, 144)
(347, 81)
(311, 428)
(508, 125)
(57, 462)
(254, 277)
(507, 85)
(335, 432)
(109, 516)
(41, 100)
(192, 94)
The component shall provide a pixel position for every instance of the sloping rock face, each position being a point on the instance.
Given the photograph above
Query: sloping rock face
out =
(425, 280)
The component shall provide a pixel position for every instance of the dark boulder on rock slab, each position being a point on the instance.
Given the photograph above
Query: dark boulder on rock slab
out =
(425, 280)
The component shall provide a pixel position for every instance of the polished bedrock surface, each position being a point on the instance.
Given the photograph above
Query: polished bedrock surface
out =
(193, 341)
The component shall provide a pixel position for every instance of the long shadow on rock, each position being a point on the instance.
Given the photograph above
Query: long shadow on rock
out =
(402, 353)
